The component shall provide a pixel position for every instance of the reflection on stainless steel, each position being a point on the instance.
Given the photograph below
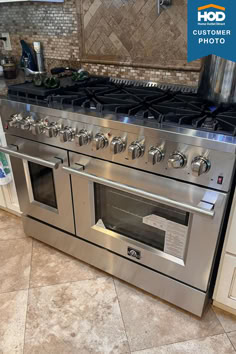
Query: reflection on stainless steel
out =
(134, 196)
(218, 80)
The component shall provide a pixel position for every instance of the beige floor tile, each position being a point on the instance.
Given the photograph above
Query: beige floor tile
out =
(13, 308)
(232, 337)
(15, 258)
(219, 344)
(75, 318)
(50, 266)
(11, 226)
(227, 320)
(150, 322)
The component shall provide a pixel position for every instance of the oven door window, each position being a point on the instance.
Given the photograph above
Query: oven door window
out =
(154, 224)
(43, 186)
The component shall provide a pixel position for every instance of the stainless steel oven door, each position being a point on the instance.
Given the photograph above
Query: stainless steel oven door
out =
(167, 225)
(44, 191)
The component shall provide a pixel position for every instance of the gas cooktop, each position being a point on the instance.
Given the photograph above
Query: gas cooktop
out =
(169, 105)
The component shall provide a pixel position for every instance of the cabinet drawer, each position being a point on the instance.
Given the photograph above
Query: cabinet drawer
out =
(226, 293)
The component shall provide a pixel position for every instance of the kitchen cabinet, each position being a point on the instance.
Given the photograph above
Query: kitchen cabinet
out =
(8, 195)
(225, 290)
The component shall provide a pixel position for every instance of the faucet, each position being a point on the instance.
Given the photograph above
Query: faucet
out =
(29, 71)
(163, 3)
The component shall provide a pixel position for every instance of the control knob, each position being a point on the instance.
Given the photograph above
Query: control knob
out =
(200, 165)
(177, 160)
(83, 137)
(155, 155)
(51, 130)
(117, 145)
(136, 150)
(37, 128)
(100, 141)
(66, 134)
(25, 123)
(15, 120)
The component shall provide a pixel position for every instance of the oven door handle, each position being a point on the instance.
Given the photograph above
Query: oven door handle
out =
(12, 151)
(139, 192)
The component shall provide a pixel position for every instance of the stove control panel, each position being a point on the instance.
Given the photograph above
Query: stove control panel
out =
(177, 160)
(153, 151)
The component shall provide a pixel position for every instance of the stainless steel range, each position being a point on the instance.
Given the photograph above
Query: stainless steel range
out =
(133, 178)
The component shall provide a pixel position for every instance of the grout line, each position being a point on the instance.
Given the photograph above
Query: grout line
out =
(15, 239)
(67, 282)
(26, 315)
(28, 294)
(231, 342)
(181, 341)
(212, 307)
(121, 314)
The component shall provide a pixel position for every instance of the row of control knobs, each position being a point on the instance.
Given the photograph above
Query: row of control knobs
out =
(136, 149)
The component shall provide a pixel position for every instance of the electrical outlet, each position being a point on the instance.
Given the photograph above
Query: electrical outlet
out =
(7, 43)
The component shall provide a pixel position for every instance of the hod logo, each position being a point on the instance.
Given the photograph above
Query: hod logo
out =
(210, 15)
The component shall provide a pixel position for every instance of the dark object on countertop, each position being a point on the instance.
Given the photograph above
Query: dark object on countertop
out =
(51, 82)
(59, 70)
(28, 58)
(38, 80)
(28, 89)
(9, 69)
(80, 76)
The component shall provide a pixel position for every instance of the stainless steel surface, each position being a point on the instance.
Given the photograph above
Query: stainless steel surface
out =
(31, 72)
(204, 223)
(13, 151)
(114, 162)
(39, 56)
(218, 80)
(50, 157)
(177, 293)
(66, 134)
(136, 150)
(118, 145)
(218, 149)
(155, 155)
(100, 141)
(79, 171)
(177, 160)
(162, 3)
(143, 83)
(200, 165)
(83, 137)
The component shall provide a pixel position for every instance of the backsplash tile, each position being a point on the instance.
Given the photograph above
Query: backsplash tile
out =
(118, 38)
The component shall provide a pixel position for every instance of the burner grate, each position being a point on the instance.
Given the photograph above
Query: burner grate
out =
(171, 105)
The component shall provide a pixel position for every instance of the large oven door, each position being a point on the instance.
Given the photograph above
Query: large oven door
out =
(169, 226)
(43, 190)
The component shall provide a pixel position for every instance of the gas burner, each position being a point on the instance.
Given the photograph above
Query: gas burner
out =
(163, 106)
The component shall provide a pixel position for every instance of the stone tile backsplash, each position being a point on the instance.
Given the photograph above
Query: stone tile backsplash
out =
(107, 37)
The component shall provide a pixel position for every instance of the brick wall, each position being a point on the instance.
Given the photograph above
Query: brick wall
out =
(60, 28)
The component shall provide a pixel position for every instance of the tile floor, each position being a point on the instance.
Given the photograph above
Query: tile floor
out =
(53, 303)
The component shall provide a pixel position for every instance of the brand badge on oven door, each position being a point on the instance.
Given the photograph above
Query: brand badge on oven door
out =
(134, 253)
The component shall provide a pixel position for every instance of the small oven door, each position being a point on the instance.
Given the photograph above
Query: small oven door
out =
(166, 225)
(43, 190)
